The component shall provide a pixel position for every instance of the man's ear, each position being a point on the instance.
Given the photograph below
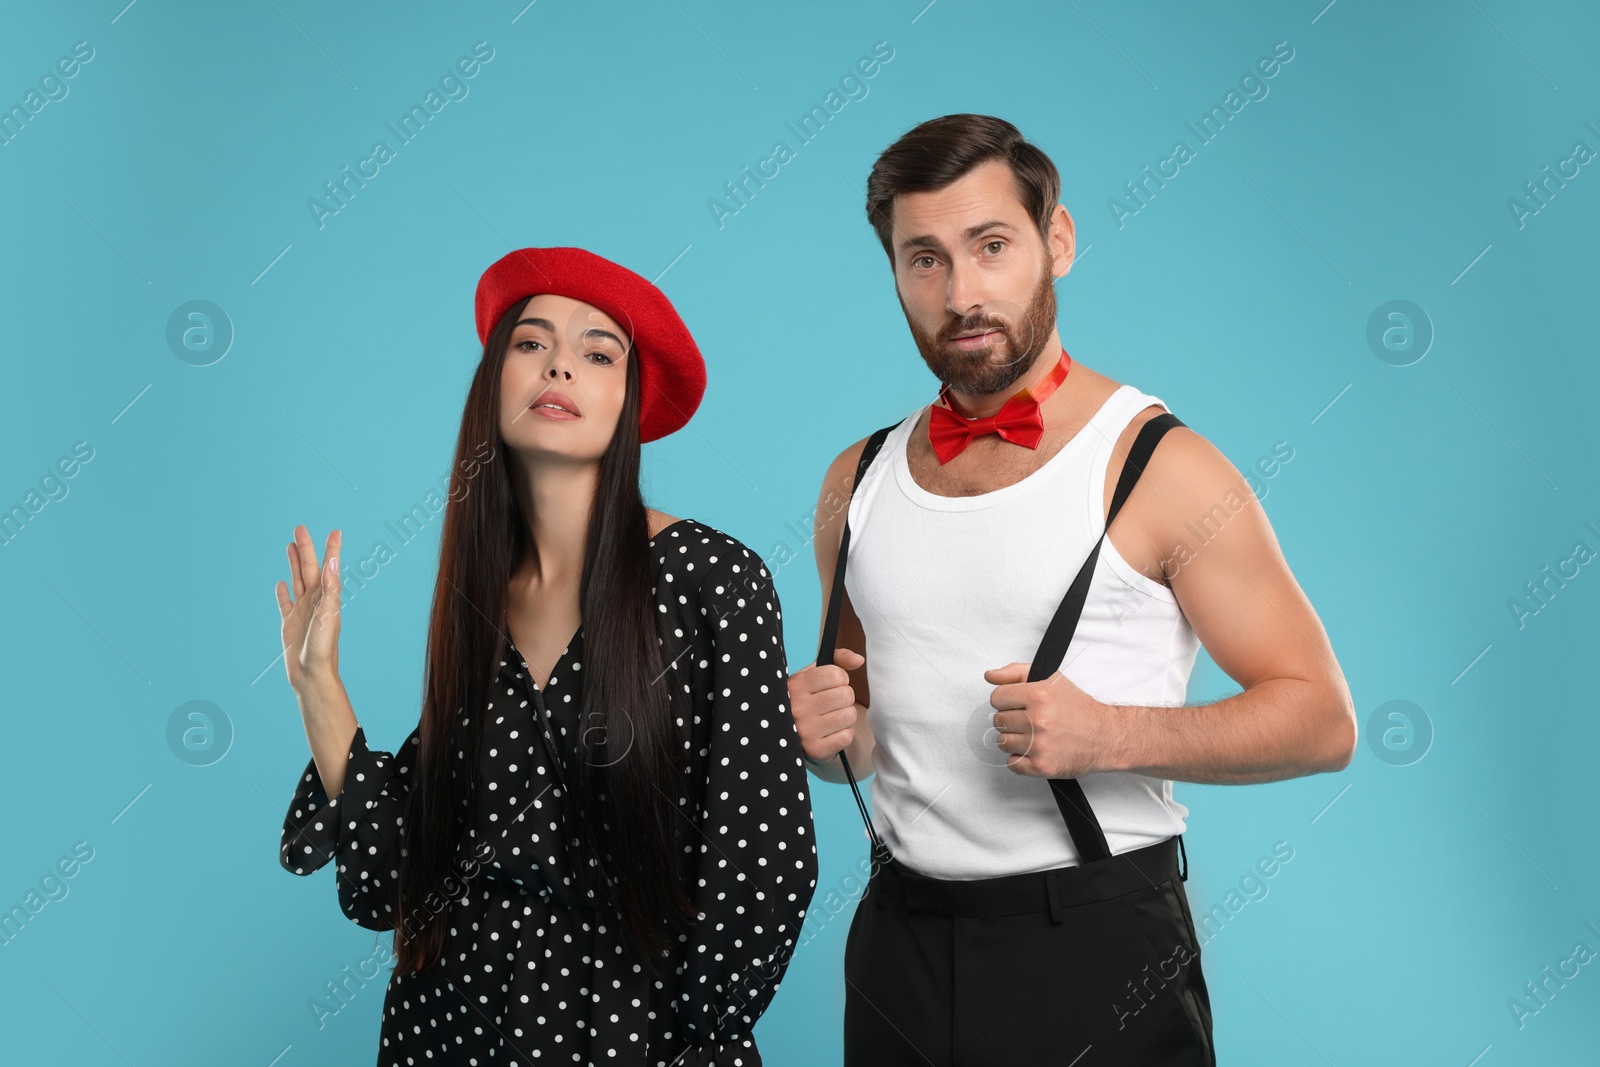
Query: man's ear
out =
(1063, 242)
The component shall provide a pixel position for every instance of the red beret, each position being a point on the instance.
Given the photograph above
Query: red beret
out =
(672, 373)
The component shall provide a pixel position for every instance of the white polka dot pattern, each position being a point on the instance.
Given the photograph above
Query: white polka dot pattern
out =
(534, 970)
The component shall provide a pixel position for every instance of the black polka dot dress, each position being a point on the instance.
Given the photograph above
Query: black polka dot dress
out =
(534, 969)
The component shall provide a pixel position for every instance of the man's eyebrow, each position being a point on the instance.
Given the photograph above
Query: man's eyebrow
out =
(593, 331)
(928, 241)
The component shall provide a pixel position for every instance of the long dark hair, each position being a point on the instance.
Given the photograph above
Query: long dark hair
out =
(627, 772)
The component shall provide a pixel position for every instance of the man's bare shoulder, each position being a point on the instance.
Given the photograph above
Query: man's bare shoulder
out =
(1186, 465)
(833, 501)
(1187, 480)
(841, 475)
(842, 471)
(1182, 454)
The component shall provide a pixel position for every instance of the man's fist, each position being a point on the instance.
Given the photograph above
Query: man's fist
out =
(824, 704)
(1049, 728)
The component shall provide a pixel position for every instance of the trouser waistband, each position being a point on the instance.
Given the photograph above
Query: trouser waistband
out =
(1038, 892)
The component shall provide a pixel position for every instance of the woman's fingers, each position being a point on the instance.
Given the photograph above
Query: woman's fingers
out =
(325, 608)
(295, 585)
(325, 617)
(310, 572)
(311, 615)
(303, 568)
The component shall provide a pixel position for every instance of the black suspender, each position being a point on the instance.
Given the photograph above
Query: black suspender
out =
(830, 628)
(1082, 825)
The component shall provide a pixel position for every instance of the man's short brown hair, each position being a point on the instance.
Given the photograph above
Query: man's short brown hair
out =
(937, 152)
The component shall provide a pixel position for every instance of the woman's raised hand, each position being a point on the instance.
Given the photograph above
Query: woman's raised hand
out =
(311, 618)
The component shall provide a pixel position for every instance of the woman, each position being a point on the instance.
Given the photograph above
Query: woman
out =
(597, 845)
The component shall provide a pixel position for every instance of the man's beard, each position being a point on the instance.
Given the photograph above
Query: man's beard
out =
(976, 373)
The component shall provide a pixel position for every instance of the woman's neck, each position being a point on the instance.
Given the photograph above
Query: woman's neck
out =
(557, 498)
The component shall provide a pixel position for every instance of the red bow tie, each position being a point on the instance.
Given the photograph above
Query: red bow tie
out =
(1019, 420)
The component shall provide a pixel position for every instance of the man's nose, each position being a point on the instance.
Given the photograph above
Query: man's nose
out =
(962, 295)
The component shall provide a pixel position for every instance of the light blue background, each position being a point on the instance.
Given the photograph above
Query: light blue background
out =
(1419, 501)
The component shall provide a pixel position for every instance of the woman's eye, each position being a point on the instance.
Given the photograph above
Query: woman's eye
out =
(528, 344)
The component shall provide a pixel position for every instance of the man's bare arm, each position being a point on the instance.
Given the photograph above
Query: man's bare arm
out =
(1295, 716)
(827, 529)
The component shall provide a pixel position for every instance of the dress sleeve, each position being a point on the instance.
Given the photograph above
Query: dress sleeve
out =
(757, 861)
(361, 825)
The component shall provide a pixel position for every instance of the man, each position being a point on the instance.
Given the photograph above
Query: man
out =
(1033, 909)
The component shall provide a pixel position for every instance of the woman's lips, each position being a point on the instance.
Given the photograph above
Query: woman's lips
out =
(569, 409)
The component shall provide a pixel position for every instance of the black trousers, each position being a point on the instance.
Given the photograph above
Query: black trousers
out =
(1089, 965)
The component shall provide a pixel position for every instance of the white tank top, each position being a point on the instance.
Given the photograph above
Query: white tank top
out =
(948, 587)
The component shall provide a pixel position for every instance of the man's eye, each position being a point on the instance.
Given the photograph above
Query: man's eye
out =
(920, 259)
(992, 244)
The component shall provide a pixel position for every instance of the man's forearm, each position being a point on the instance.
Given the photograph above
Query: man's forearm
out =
(1278, 729)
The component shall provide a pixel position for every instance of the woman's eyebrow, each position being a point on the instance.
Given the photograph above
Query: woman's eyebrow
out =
(593, 331)
(596, 331)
